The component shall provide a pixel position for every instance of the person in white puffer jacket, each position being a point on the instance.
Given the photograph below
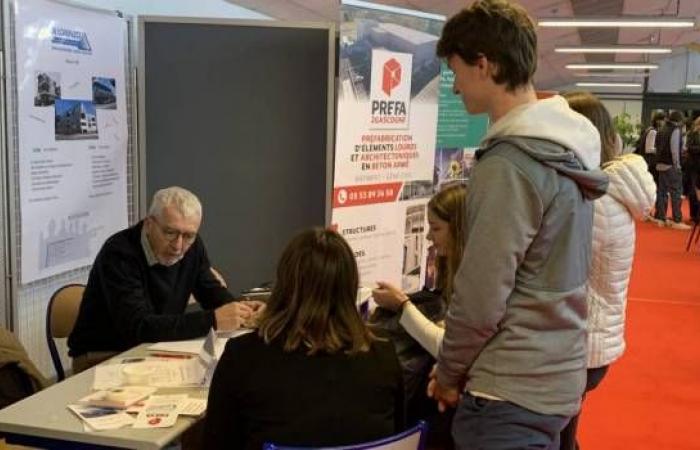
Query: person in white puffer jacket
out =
(631, 195)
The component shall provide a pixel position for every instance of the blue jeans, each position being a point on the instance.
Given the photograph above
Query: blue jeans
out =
(670, 182)
(482, 424)
(568, 434)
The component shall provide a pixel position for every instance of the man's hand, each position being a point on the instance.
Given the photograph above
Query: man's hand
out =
(388, 296)
(257, 307)
(445, 397)
(231, 316)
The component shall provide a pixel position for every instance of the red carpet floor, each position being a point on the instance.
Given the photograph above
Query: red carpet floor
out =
(650, 399)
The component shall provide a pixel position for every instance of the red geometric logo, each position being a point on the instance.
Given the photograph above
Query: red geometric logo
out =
(391, 75)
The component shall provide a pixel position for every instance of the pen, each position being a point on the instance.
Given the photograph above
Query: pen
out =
(171, 355)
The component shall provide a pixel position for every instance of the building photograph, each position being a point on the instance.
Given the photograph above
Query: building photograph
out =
(104, 93)
(48, 88)
(75, 119)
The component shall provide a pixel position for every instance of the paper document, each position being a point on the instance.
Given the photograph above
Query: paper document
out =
(164, 373)
(160, 411)
(194, 346)
(189, 407)
(117, 397)
(194, 407)
(101, 418)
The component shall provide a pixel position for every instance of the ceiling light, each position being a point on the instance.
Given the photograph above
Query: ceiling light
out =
(629, 21)
(614, 49)
(620, 66)
(620, 85)
(609, 75)
(692, 86)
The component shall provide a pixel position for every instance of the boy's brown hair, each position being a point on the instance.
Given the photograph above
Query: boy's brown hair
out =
(501, 31)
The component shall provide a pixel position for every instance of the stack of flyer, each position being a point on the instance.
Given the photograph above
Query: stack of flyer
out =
(134, 406)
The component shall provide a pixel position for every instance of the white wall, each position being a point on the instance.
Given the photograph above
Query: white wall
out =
(183, 8)
(616, 107)
(675, 72)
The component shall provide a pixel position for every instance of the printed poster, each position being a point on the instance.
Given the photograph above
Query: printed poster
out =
(458, 135)
(72, 136)
(389, 81)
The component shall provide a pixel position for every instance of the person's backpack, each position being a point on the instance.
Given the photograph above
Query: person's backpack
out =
(641, 142)
(693, 143)
(415, 361)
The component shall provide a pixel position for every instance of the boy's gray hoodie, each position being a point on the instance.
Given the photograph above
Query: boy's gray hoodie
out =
(516, 325)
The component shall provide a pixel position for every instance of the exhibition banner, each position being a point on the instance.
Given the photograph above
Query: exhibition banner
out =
(389, 82)
(458, 134)
(72, 136)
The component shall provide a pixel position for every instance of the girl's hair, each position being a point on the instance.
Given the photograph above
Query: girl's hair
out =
(589, 106)
(312, 305)
(449, 205)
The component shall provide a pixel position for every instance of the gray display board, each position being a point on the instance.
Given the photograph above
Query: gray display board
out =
(241, 113)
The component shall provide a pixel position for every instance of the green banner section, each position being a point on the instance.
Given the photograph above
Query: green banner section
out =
(456, 128)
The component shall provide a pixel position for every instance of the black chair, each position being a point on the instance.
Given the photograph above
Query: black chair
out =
(411, 439)
(61, 315)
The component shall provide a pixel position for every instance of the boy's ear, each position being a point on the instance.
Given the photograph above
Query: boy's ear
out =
(492, 69)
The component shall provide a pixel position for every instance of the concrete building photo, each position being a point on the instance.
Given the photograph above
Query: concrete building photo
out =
(75, 119)
(48, 88)
(104, 93)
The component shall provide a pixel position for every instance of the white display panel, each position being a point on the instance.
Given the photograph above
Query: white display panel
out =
(72, 134)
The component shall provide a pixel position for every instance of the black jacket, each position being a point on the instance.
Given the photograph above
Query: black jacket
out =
(127, 302)
(260, 393)
(663, 143)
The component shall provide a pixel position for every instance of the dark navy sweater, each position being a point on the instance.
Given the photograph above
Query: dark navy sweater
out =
(127, 302)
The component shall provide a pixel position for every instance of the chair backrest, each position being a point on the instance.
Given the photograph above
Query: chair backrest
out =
(61, 315)
(411, 439)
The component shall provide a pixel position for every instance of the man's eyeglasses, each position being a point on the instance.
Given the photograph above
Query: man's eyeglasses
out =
(172, 235)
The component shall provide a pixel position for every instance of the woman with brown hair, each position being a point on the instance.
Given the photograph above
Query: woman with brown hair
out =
(415, 324)
(631, 193)
(313, 374)
(446, 232)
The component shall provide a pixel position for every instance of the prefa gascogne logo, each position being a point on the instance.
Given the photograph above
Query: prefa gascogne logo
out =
(392, 75)
(390, 92)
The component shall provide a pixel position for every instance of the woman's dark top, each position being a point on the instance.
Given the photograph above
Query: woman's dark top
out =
(260, 393)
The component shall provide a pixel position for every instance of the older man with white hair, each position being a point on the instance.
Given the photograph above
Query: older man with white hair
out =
(142, 279)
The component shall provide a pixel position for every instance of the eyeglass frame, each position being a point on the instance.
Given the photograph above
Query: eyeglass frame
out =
(171, 235)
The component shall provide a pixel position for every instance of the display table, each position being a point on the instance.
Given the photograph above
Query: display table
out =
(43, 420)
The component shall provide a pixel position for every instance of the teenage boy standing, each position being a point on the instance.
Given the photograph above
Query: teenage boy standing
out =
(514, 343)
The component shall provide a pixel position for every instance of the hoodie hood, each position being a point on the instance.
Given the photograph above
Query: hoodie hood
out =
(631, 184)
(593, 183)
(552, 120)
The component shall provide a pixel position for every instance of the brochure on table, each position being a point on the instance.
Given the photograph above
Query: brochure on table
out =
(72, 133)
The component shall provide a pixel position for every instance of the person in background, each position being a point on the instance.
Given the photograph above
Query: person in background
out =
(669, 142)
(19, 377)
(446, 232)
(631, 194)
(649, 143)
(414, 322)
(693, 169)
(141, 280)
(313, 375)
(513, 356)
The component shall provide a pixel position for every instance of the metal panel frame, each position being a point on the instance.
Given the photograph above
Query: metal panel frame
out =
(21, 318)
(141, 86)
(6, 307)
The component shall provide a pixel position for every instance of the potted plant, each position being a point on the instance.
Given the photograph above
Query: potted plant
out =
(628, 131)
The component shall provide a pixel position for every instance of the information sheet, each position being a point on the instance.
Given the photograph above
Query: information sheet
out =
(73, 134)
